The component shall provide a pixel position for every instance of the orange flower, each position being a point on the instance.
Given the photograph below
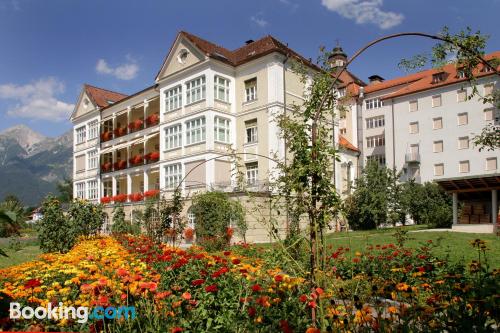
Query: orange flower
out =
(313, 330)
(186, 296)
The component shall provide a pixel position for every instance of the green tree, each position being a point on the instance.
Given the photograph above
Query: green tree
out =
(54, 230)
(86, 219)
(7, 221)
(65, 189)
(15, 208)
(120, 225)
(214, 213)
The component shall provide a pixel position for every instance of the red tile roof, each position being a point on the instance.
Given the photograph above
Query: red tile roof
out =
(422, 81)
(102, 97)
(343, 142)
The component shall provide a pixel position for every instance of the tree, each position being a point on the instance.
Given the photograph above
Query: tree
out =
(7, 221)
(54, 230)
(215, 213)
(11, 225)
(65, 188)
(86, 219)
(120, 225)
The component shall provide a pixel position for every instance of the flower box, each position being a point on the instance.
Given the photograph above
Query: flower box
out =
(120, 198)
(106, 200)
(152, 157)
(120, 165)
(106, 136)
(136, 160)
(136, 125)
(151, 193)
(153, 120)
(120, 131)
(135, 197)
(106, 167)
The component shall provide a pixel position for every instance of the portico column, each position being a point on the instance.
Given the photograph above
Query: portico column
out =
(146, 181)
(113, 186)
(455, 207)
(494, 206)
(129, 184)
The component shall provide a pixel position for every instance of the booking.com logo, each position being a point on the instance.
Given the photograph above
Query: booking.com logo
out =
(81, 314)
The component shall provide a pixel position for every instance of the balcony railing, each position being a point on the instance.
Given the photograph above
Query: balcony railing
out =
(132, 127)
(412, 158)
(134, 161)
(133, 197)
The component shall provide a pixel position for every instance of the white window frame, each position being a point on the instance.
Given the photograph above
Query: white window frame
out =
(196, 90)
(466, 118)
(375, 141)
(81, 134)
(195, 130)
(222, 128)
(251, 131)
(373, 103)
(173, 175)
(92, 159)
(92, 189)
(173, 137)
(464, 163)
(80, 190)
(173, 98)
(375, 122)
(434, 123)
(250, 90)
(93, 129)
(252, 173)
(221, 88)
(435, 105)
(486, 168)
(438, 165)
(411, 103)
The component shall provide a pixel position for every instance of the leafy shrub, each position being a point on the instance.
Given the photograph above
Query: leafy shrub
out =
(54, 231)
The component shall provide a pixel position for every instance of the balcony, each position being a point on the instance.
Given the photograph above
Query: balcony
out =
(134, 161)
(412, 157)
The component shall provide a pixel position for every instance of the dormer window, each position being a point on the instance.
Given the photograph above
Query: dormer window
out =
(438, 77)
(461, 74)
(110, 101)
(486, 69)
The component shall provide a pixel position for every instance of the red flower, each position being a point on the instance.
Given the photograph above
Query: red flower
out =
(176, 330)
(285, 327)
(227, 253)
(312, 304)
(256, 288)
(278, 278)
(251, 311)
(211, 288)
(32, 283)
(197, 282)
(303, 298)
(221, 271)
(236, 261)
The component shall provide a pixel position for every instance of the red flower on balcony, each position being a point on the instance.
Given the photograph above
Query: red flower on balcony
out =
(106, 136)
(136, 160)
(152, 157)
(136, 125)
(151, 193)
(106, 200)
(119, 165)
(153, 119)
(120, 131)
(120, 198)
(135, 197)
(106, 167)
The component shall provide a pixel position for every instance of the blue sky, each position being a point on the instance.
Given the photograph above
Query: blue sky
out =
(51, 47)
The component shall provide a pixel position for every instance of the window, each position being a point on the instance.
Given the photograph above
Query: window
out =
(80, 134)
(92, 189)
(375, 141)
(173, 175)
(437, 146)
(195, 90)
(491, 163)
(93, 129)
(252, 173)
(488, 114)
(221, 89)
(92, 159)
(380, 159)
(341, 92)
(461, 95)
(80, 163)
(251, 131)
(461, 74)
(373, 103)
(251, 90)
(107, 188)
(437, 123)
(462, 119)
(80, 190)
(463, 142)
(438, 77)
(438, 169)
(463, 166)
(488, 89)
(375, 122)
(413, 106)
(173, 98)
(173, 137)
(195, 131)
(221, 129)
(191, 218)
(343, 130)
(486, 69)
(436, 101)
(414, 127)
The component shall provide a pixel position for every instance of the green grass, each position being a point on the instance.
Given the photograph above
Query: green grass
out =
(454, 245)
(29, 251)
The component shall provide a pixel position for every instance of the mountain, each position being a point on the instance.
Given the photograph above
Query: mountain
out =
(31, 164)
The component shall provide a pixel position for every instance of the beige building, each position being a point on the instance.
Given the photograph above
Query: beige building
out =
(206, 103)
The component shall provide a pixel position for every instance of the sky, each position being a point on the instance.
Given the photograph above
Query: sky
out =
(50, 48)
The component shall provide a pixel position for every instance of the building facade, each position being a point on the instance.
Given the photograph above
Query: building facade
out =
(206, 104)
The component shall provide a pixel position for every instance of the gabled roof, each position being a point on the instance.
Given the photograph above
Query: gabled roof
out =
(422, 81)
(102, 97)
(343, 142)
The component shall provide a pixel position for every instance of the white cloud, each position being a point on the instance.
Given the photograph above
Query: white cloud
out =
(365, 11)
(290, 3)
(37, 100)
(126, 71)
(259, 21)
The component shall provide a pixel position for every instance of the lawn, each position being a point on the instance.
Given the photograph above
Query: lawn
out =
(454, 245)
(28, 251)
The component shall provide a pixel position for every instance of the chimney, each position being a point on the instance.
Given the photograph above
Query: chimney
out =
(375, 78)
(250, 41)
